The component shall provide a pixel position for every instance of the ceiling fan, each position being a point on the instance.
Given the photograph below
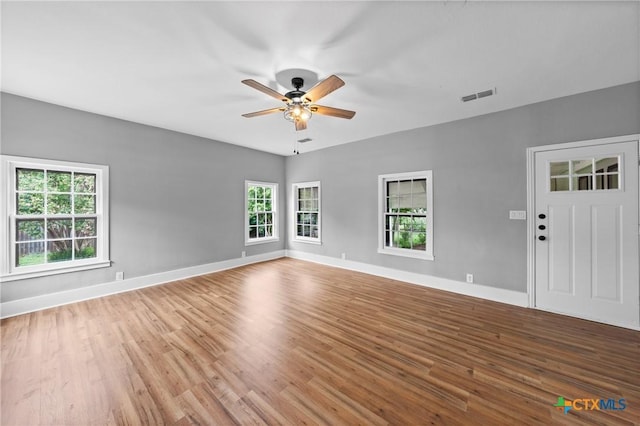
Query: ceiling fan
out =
(300, 105)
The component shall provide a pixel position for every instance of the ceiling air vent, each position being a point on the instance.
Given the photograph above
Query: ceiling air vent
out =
(478, 95)
(304, 140)
(469, 98)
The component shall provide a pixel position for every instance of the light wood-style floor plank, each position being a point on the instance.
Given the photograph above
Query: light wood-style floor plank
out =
(290, 342)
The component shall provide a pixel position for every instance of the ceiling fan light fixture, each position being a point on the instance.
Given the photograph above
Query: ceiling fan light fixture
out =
(297, 111)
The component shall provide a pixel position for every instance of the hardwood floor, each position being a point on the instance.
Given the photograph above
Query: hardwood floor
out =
(292, 342)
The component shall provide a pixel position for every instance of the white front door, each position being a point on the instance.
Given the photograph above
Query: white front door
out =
(586, 230)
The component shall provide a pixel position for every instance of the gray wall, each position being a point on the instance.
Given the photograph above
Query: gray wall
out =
(479, 174)
(175, 200)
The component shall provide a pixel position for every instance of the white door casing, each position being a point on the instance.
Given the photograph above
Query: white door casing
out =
(584, 226)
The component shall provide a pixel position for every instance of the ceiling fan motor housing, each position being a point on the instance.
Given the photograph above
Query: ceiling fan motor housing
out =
(296, 82)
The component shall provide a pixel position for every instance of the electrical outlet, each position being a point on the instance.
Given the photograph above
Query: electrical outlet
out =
(470, 278)
(517, 215)
(344, 256)
(243, 254)
(119, 276)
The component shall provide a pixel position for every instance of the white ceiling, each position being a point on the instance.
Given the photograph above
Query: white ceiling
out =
(178, 65)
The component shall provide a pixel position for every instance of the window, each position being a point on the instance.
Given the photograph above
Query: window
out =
(585, 175)
(307, 212)
(406, 214)
(57, 217)
(260, 212)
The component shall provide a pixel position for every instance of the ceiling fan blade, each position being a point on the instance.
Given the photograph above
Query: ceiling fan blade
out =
(263, 112)
(266, 90)
(300, 124)
(323, 88)
(333, 112)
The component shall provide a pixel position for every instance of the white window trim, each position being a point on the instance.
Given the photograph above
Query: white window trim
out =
(8, 270)
(274, 208)
(294, 219)
(382, 249)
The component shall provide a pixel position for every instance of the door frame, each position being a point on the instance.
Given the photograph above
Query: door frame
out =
(531, 205)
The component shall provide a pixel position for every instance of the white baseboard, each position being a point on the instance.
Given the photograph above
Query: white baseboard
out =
(480, 291)
(37, 303)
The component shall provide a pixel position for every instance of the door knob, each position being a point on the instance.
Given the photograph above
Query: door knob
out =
(542, 238)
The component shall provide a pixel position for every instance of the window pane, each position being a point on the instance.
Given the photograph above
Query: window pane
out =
(58, 181)
(253, 232)
(29, 180)
(85, 248)
(29, 230)
(419, 224)
(267, 192)
(402, 239)
(419, 241)
(269, 230)
(419, 202)
(85, 204)
(392, 188)
(30, 204)
(314, 192)
(559, 184)
(605, 164)
(391, 222)
(261, 231)
(405, 203)
(314, 231)
(582, 166)
(59, 251)
(582, 183)
(59, 203)
(28, 254)
(84, 183)
(261, 218)
(299, 230)
(404, 223)
(267, 206)
(86, 227)
(268, 218)
(59, 228)
(404, 187)
(393, 204)
(259, 192)
(560, 168)
(607, 181)
(253, 219)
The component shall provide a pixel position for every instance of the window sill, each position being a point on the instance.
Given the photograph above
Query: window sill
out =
(307, 241)
(23, 275)
(261, 241)
(406, 253)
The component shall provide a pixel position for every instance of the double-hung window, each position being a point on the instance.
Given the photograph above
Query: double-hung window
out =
(261, 222)
(307, 212)
(56, 217)
(406, 214)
